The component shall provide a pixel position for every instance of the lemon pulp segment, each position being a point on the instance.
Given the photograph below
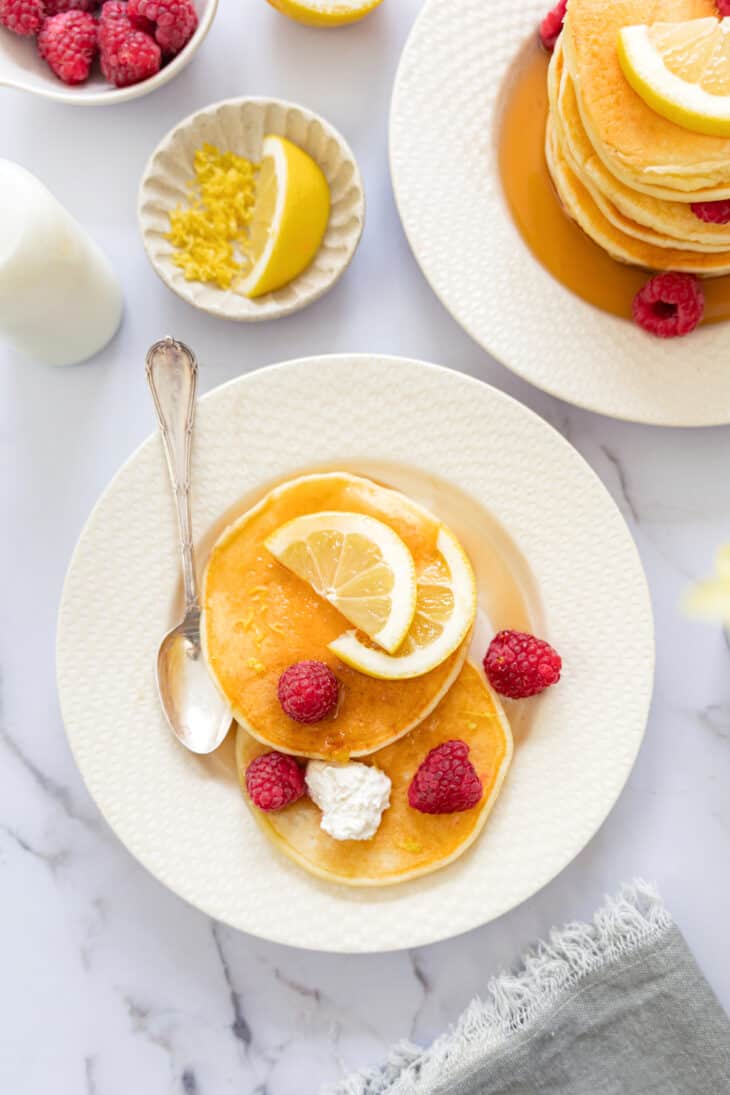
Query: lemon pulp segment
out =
(445, 611)
(358, 564)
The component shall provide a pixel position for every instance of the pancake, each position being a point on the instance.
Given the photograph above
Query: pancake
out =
(638, 146)
(581, 206)
(408, 843)
(569, 134)
(661, 222)
(259, 618)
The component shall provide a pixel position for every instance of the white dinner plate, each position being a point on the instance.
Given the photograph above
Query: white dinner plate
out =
(443, 150)
(550, 523)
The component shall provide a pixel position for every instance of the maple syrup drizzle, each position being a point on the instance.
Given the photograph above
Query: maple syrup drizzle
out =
(554, 239)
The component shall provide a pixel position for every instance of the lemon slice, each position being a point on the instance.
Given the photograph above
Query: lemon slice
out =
(325, 13)
(445, 609)
(358, 564)
(289, 217)
(682, 71)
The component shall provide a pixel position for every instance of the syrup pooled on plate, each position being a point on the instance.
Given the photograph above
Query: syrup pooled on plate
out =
(554, 239)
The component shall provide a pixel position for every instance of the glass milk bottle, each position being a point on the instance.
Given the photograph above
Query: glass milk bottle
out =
(60, 300)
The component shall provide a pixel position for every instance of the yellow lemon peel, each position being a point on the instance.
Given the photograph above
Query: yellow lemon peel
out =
(325, 13)
(210, 237)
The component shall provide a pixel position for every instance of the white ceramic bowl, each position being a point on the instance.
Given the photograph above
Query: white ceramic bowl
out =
(21, 67)
(240, 125)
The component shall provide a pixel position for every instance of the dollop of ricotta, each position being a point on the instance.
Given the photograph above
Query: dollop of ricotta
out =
(352, 797)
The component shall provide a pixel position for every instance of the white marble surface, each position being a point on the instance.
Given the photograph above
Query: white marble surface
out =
(110, 984)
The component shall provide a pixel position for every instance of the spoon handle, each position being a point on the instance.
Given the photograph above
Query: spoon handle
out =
(172, 374)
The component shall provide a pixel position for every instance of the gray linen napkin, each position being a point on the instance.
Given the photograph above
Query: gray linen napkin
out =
(617, 1007)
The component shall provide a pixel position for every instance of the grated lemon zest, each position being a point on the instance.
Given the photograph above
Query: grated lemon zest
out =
(408, 845)
(209, 237)
(256, 665)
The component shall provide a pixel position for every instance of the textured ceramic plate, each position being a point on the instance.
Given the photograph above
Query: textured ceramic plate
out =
(240, 125)
(567, 547)
(443, 131)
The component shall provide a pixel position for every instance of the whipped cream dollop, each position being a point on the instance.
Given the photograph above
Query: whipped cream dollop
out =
(352, 797)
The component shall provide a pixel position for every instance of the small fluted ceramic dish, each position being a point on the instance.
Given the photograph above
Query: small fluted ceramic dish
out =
(21, 67)
(240, 125)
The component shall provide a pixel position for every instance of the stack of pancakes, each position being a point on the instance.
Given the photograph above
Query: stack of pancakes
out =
(627, 175)
(259, 618)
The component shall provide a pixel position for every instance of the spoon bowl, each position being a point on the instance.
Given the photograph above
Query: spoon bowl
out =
(197, 714)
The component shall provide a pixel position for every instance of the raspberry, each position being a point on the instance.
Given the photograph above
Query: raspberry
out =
(274, 781)
(520, 665)
(67, 41)
(446, 782)
(114, 25)
(174, 21)
(128, 54)
(114, 18)
(308, 691)
(723, 7)
(53, 7)
(128, 58)
(22, 16)
(713, 212)
(552, 25)
(669, 305)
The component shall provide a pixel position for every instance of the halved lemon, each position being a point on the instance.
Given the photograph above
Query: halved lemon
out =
(358, 564)
(289, 217)
(325, 13)
(445, 609)
(682, 71)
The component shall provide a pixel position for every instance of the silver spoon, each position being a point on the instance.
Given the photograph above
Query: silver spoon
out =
(197, 714)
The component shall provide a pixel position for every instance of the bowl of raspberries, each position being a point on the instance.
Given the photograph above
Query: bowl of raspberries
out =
(93, 52)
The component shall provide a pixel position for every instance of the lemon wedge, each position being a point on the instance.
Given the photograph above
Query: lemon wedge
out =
(682, 71)
(445, 609)
(358, 564)
(289, 217)
(325, 13)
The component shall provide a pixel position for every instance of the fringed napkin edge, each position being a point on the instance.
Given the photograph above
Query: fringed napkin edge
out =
(634, 918)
